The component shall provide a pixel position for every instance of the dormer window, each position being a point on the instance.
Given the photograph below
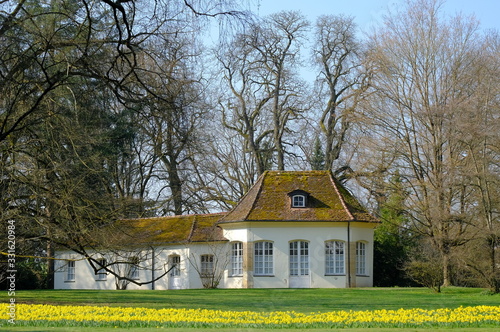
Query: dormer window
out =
(298, 198)
(298, 201)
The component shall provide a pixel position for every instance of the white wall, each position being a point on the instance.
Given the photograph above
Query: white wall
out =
(85, 278)
(280, 233)
(316, 233)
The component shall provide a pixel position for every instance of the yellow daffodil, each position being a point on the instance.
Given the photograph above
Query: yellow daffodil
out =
(51, 315)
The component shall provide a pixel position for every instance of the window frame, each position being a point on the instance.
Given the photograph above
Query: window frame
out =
(335, 257)
(361, 268)
(236, 259)
(299, 258)
(263, 263)
(101, 274)
(298, 201)
(134, 271)
(176, 265)
(207, 266)
(71, 271)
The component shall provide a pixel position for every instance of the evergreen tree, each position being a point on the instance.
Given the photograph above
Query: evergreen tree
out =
(318, 157)
(392, 239)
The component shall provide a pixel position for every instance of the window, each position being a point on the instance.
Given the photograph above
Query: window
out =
(175, 262)
(263, 258)
(299, 198)
(207, 265)
(361, 258)
(298, 201)
(133, 272)
(299, 258)
(334, 257)
(237, 259)
(70, 273)
(101, 272)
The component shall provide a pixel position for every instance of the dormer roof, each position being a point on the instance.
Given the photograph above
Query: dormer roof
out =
(298, 192)
(269, 199)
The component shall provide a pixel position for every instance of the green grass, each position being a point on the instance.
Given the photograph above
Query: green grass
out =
(83, 329)
(266, 300)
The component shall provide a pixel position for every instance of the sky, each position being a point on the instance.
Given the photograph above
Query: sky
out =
(368, 12)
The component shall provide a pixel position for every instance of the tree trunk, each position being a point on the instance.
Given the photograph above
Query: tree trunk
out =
(495, 280)
(446, 269)
(175, 184)
(50, 266)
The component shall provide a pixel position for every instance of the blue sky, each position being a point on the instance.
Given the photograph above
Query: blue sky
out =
(368, 12)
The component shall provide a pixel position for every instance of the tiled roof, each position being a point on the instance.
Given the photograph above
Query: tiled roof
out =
(268, 199)
(172, 229)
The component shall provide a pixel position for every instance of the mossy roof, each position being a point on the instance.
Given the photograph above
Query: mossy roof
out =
(171, 229)
(268, 199)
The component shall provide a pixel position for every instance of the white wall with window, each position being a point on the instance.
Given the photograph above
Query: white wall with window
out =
(263, 259)
(278, 257)
(236, 269)
(361, 258)
(174, 265)
(363, 237)
(266, 255)
(101, 273)
(70, 271)
(134, 268)
(207, 265)
(84, 276)
(335, 257)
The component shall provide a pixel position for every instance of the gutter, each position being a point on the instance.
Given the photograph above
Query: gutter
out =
(348, 254)
(351, 218)
(153, 268)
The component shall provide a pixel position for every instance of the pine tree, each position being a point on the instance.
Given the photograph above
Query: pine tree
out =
(392, 241)
(318, 157)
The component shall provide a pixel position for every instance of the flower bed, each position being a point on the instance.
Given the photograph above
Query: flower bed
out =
(102, 316)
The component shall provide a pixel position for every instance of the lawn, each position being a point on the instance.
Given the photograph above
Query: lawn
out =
(266, 301)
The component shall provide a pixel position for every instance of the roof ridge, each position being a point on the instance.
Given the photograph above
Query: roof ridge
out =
(258, 183)
(342, 200)
(193, 226)
(297, 172)
(176, 216)
(261, 179)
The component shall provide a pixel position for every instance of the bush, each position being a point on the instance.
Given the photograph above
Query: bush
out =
(426, 273)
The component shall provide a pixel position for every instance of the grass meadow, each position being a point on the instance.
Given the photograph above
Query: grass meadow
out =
(359, 309)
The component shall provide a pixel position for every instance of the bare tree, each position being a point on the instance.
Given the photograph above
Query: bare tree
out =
(278, 46)
(260, 70)
(171, 116)
(423, 81)
(211, 265)
(243, 110)
(342, 80)
(64, 160)
(225, 171)
(480, 136)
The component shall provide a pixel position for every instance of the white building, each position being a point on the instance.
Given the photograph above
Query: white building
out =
(292, 229)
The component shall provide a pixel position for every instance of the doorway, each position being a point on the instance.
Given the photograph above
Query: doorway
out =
(174, 276)
(299, 265)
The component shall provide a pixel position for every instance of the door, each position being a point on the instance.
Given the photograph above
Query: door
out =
(299, 265)
(174, 276)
